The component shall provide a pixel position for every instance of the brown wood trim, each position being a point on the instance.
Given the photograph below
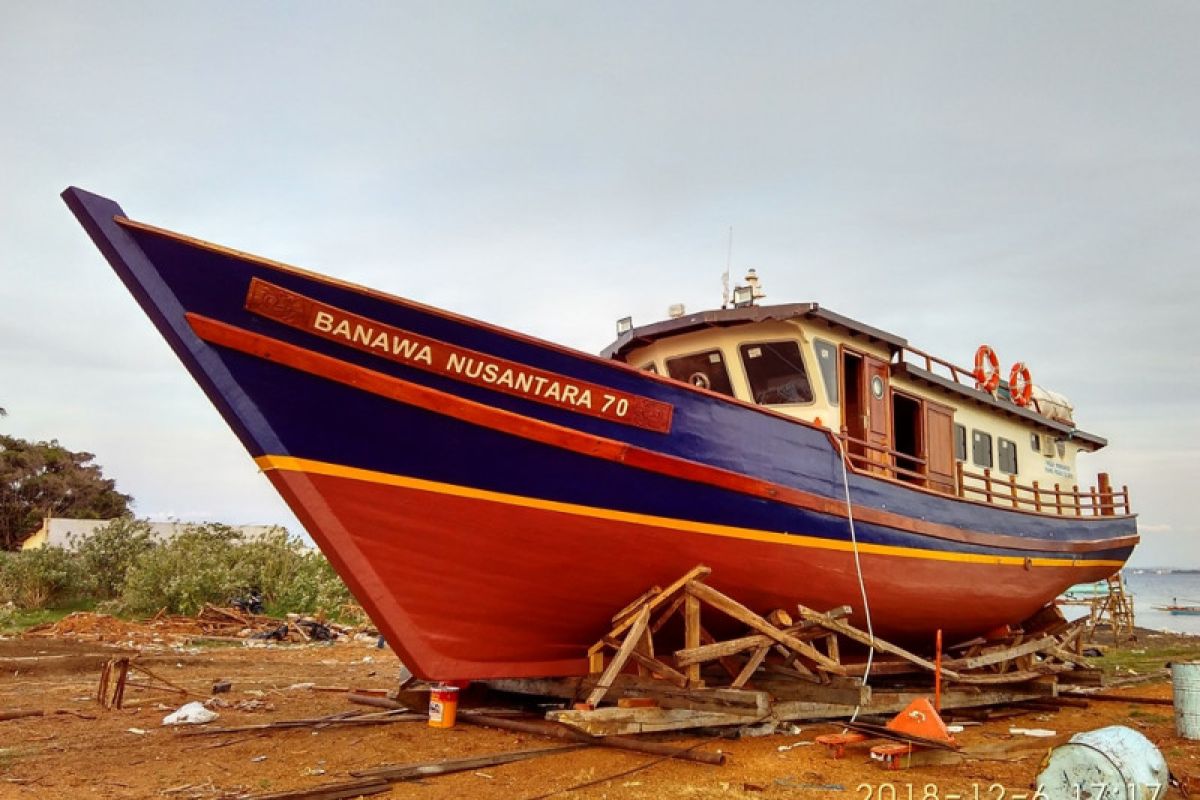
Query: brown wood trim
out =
(426, 353)
(270, 349)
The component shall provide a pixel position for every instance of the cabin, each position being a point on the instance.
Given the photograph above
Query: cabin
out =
(897, 412)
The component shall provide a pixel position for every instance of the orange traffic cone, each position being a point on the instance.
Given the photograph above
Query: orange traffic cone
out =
(920, 719)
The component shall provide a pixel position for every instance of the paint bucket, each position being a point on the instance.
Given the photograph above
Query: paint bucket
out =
(1185, 684)
(1120, 759)
(443, 706)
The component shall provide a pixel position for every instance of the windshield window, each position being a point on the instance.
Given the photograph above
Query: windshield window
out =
(776, 373)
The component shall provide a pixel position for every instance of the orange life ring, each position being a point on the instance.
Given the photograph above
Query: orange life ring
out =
(987, 369)
(1020, 384)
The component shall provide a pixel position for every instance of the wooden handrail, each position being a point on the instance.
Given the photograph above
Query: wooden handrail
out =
(955, 370)
(1101, 500)
(847, 438)
(1093, 501)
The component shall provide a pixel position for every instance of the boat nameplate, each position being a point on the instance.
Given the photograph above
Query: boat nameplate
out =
(452, 361)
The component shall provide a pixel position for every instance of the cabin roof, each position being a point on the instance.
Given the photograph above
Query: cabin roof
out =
(729, 317)
(725, 317)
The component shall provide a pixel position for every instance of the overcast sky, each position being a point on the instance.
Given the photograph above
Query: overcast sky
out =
(1022, 174)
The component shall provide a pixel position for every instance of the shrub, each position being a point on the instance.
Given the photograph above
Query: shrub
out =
(213, 564)
(107, 555)
(183, 574)
(33, 579)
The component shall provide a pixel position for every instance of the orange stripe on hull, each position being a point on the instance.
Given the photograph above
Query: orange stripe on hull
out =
(469, 588)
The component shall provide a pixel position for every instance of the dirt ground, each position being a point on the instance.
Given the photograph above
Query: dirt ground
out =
(130, 754)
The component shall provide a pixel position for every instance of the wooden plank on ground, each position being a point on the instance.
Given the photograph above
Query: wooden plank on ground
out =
(611, 721)
(405, 772)
(733, 700)
(542, 727)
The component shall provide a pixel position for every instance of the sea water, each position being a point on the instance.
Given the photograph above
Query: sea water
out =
(1152, 588)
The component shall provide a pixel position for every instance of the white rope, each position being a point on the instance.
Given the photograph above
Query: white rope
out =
(862, 586)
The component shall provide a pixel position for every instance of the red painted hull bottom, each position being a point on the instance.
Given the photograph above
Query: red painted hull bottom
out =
(471, 588)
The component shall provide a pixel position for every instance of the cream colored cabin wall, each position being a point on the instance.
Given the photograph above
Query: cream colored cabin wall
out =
(727, 340)
(1031, 465)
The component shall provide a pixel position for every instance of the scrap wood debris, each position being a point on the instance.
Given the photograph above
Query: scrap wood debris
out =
(211, 622)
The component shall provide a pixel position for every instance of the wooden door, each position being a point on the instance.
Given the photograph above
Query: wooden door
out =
(879, 426)
(939, 447)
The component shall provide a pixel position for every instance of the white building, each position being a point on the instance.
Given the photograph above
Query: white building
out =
(70, 533)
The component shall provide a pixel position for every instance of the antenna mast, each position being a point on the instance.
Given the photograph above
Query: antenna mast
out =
(725, 276)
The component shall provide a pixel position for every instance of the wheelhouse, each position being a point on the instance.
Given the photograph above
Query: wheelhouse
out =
(896, 411)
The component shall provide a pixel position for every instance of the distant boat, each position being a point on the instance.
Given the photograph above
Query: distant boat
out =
(1087, 591)
(1180, 611)
(491, 498)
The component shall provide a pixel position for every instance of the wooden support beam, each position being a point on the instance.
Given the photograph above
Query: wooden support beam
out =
(1000, 654)
(738, 701)
(691, 634)
(751, 666)
(710, 652)
(665, 616)
(667, 594)
(665, 671)
(632, 608)
(636, 629)
(730, 665)
(733, 608)
(862, 637)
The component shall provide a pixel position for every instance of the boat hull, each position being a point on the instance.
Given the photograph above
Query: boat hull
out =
(490, 529)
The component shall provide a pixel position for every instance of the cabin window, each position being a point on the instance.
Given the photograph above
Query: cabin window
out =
(1006, 452)
(1035, 441)
(776, 373)
(706, 370)
(981, 449)
(649, 368)
(960, 442)
(827, 362)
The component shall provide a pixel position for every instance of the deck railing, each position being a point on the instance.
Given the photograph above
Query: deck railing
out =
(956, 373)
(1099, 500)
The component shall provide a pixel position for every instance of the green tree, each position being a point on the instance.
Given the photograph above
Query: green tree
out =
(41, 479)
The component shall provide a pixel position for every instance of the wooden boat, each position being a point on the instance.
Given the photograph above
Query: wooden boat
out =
(1180, 610)
(492, 498)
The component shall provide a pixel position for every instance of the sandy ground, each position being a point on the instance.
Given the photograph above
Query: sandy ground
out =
(130, 754)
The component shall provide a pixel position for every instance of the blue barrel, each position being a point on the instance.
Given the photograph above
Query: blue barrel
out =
(1124, 762)
(1185, 684)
